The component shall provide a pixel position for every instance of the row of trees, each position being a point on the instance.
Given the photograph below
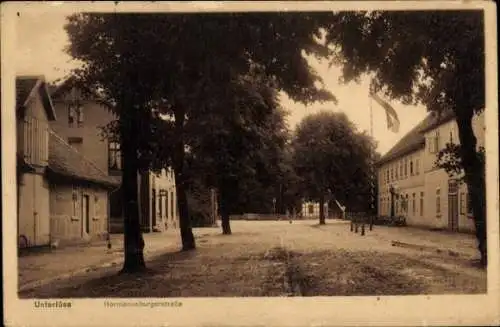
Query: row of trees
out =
(178, 74)
(187, 97)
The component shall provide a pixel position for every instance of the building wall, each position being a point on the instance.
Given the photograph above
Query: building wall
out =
(66, 219)
(163, 187)
(32, 133)
(437, 180)
(314, 213)
(407, 177)
(33, 202)
(33, 219)
(95, 148)
(430, 185)
(93, 145)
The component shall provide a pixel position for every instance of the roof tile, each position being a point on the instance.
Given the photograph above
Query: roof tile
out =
(67, 161)
(415, 139)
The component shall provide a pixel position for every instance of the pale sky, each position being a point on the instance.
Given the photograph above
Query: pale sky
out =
(41, 40)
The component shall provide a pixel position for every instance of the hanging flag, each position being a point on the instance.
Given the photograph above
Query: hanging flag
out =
(392, 116)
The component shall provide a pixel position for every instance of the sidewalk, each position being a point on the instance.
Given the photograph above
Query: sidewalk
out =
(463, 243)
(41, 268)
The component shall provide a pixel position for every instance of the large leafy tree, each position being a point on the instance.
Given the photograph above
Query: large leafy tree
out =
(237, 151)
(177, 65)
(431, 57)
(333, 159)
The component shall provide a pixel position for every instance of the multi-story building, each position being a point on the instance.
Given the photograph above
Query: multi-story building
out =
(61, 194)
(34, 110)
(82, 117)
(410, 184)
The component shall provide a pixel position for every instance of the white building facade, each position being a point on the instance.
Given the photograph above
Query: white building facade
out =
(424, 194)
(310, 210)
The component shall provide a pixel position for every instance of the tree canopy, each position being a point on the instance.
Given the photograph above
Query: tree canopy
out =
(431, 57)
(178, 65)
(332, 158)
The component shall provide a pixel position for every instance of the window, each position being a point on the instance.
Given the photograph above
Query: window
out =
(166, 204)
(160, 204)
(406, 168)
(396, 174)
(114, 155)
(392, 174)
(74, 198)
(401, 168)
(75, 141)
(311, 208)
(71, 115)
(436, 142)
(421, 203)
(417, 166)
(411, 167)
(79, 115)
(438, 201)
(75, 114)
(470, 212)
(413, 204)
(463, 209)
(172, 204)
(452, 186)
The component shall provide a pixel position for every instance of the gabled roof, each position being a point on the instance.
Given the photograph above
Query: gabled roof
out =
(27, 87)
(415, 139)
(69, 83)
(67, 161)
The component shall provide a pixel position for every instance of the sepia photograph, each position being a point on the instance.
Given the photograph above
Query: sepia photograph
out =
(168, 153)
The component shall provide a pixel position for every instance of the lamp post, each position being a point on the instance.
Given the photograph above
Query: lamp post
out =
(274, 206)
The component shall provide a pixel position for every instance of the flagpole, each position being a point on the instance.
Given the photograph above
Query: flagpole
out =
(372, 168)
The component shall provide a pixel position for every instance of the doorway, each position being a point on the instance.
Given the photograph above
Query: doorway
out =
(85, 215)
(453, 205)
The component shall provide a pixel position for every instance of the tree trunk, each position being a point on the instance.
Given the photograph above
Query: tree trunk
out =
(224, 211)
(475, 179)
(322, 210)
(187, 237)
(133, 240)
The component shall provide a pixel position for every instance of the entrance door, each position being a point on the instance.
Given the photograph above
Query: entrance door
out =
(85, 215)
(41, 215)
(453, 205)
